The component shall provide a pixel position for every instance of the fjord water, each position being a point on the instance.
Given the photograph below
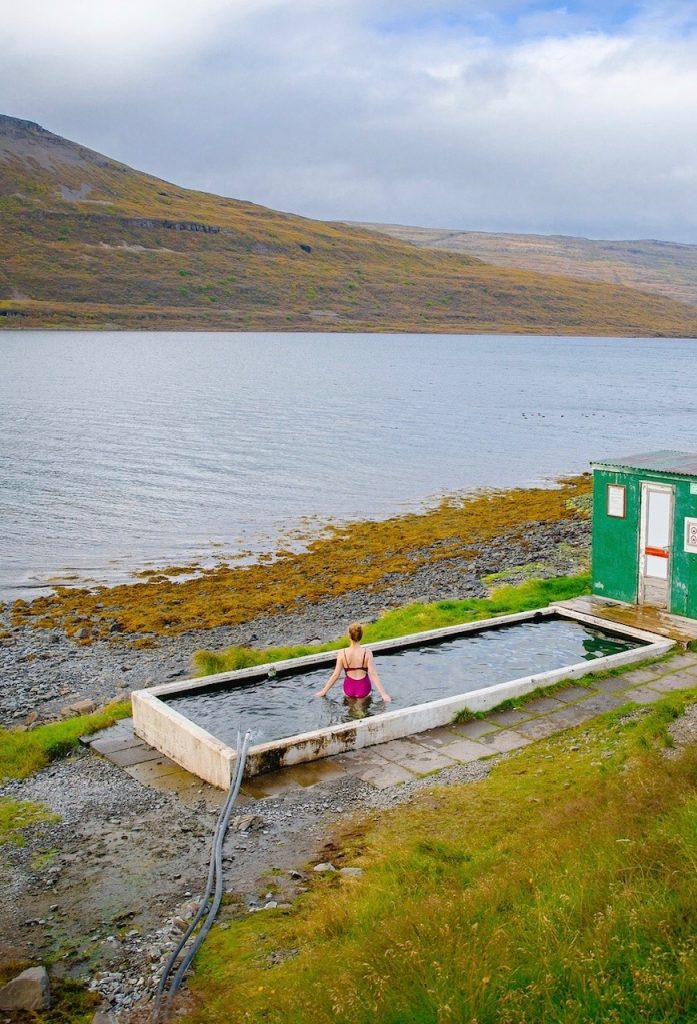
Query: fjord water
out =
(284, 705)
(121, 449)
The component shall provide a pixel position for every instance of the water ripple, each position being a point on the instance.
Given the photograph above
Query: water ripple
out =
(135, 447)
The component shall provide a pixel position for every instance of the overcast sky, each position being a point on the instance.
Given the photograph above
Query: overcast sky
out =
(577, 118)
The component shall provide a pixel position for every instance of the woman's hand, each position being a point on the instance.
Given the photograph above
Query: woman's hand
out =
(320, 693)
(386, 697)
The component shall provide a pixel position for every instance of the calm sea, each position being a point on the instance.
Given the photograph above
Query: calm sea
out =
(125, 449)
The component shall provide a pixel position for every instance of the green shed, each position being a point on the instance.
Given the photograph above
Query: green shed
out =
(645, 530)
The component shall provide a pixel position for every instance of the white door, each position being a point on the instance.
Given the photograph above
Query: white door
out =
(655, 541)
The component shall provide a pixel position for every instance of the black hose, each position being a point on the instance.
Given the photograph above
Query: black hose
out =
(218, 854)
(215, 879)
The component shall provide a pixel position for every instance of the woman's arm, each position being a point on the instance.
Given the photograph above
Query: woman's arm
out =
(333, 677)
(373, 673)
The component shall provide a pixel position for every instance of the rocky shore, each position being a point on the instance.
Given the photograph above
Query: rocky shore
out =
(43, 670)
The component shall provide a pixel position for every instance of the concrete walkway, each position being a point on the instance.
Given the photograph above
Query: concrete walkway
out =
(426, 753)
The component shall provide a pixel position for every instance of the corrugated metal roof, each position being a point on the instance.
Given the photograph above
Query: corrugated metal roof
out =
(679, 463)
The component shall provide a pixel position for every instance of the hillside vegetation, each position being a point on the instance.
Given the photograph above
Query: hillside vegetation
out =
(88, 242)
(666, 268)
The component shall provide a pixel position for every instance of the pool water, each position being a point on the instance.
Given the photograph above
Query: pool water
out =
(284, 705)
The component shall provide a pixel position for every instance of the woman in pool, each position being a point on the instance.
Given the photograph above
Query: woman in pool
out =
(358, 664)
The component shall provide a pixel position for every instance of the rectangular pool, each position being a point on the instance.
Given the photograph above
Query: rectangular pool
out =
(283, 703)
(430, 676)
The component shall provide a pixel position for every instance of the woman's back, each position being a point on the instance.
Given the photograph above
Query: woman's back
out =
(355, 661)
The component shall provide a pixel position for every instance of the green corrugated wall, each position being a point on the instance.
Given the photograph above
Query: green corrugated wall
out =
(616, 541)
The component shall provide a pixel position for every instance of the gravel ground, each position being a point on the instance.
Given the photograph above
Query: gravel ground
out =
(42, 671)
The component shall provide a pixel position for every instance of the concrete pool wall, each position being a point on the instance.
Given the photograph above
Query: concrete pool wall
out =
(201, 753)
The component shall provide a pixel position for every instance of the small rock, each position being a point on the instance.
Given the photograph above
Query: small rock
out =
(82, 633)
(28, 991)
(351, 872)
(80, 707)
(179, 923)
(325, 866)
(246, 822)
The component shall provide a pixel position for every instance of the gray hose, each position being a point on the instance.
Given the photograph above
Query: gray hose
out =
(215, 879)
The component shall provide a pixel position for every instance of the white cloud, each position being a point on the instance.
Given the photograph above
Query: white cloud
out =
(378, 111)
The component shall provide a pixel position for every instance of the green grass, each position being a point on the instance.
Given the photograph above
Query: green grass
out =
(413, 618)
(559, 890)
(16, 815)
(23, 752)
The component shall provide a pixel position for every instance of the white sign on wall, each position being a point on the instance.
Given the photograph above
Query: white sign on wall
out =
(616, 500)
(691, 536)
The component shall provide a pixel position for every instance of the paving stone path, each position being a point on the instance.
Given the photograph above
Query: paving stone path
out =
(397, 761)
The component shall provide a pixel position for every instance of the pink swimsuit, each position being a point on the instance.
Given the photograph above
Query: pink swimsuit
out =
(357, 687)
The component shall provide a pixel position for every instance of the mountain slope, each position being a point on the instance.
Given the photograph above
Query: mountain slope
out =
(88, 242)
(666, 268)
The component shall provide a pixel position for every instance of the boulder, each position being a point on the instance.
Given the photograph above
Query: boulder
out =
(28, 991)
(351, 872)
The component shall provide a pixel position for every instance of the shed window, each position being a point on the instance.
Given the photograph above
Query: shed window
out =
(616, 501)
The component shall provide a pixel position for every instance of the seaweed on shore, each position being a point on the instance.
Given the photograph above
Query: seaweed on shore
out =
(361, 555)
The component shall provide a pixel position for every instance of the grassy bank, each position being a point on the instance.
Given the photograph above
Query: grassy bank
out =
(414, 618)
(560, 889)
(358, 556)
(23, 752)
